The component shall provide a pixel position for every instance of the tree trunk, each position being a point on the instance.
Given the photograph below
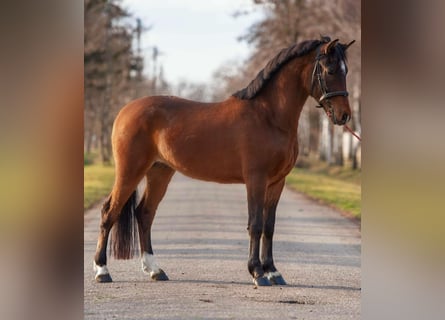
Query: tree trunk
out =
(105, 145)
(314, 127)
(325, 141)
(337, 145)
(304, 133)
(356, 123)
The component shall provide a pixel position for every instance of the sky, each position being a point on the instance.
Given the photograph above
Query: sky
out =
(194, 37)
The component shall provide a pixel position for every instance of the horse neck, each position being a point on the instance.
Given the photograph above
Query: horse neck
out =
(287, 92)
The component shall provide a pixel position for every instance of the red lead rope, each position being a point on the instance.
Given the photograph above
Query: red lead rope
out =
(353, 133)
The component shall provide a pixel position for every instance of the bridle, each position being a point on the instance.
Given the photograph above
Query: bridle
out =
(325, 94)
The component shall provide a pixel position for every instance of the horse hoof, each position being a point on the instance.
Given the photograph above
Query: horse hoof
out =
(103, 278)
(261, 282)
(159, 276)
(277, 280)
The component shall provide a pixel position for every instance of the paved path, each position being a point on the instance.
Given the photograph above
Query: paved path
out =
(200, 239)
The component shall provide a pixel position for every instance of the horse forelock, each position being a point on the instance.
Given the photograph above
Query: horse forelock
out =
(275, 64)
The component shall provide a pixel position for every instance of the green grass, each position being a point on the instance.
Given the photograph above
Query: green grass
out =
(98, 180)
(335, 186)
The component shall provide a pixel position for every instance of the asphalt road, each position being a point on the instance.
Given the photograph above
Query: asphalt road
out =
(201, 242)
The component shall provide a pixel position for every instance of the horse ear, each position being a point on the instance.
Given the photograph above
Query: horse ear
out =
(330, 46)
(348, 45)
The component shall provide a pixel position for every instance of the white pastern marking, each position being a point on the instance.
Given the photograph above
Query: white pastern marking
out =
(149, 264)
(274, 274)
(100, 270)
(343, 67)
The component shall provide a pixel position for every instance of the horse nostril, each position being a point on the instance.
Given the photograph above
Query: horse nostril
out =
(345, 117)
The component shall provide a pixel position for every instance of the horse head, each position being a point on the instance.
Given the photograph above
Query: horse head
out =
(328, 84)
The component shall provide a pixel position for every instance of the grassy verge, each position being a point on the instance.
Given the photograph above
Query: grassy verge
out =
(335, 186)
(98, 180)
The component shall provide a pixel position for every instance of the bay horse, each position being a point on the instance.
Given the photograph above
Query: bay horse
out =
(250, 138)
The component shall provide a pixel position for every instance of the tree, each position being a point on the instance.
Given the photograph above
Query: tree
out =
(113, 70)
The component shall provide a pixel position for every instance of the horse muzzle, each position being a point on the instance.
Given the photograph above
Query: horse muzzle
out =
(338, 118)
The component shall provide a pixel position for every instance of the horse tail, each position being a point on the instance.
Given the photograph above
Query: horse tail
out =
(124, 240)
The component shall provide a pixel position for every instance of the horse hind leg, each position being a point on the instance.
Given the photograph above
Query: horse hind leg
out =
(157, 179)
(118, 210)
(100, 260)
(115, 209)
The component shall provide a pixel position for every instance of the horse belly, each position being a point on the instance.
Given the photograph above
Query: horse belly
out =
(202, 158)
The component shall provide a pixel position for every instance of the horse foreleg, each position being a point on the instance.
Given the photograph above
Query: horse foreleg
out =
(158, 178)
(272, 198)
(255, 199)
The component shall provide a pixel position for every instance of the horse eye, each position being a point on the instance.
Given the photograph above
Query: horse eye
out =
(331, 71)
